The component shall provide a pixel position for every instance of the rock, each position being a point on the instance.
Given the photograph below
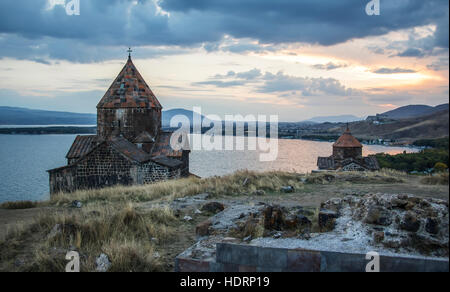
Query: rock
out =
(402, 196)
(259, 193)
(76, 204)
(287, 189)
(273, 218)
(329, 177)
(187, 218)
(197, 211)
(277, 235)
(409, 206)
(334, 204)
(394, 244)
(410, 222)
(432, 226)
(248, 239)
(202, 229)
(296, 222)
(327, 220)
(378, 215)
(230, 240)
(19, 262)
(378, 236)
(213, 207)
(398, 203)
(103, 263)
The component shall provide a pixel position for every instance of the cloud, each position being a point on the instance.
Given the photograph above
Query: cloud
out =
(308, 86)
(221, 84)
(393, 71)
(286, 85)
(412, 52)
(105, 24)
(439, 65)
(329, 66)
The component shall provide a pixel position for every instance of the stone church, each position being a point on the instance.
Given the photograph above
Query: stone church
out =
(129, 149)
(347, 156)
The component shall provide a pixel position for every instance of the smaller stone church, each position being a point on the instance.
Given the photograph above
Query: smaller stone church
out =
(130, 147)
(347, 156)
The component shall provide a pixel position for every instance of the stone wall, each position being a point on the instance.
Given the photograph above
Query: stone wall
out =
(343, 153)
(152, 172)
(247, 258)
(130, 122)
(105, 167)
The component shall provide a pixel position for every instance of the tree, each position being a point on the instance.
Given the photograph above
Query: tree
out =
(440, 167)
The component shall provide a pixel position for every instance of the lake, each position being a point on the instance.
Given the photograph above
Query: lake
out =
(24, 160)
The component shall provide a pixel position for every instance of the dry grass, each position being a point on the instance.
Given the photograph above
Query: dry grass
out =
(112, 222)
(438, 179)
(18, 205)
(239, 183)
(129, 237)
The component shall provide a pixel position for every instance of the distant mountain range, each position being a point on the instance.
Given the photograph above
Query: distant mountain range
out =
(335, 119)
(169, 114)
(413, 111)
(24, 116)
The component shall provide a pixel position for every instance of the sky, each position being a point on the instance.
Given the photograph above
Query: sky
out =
(296, 59)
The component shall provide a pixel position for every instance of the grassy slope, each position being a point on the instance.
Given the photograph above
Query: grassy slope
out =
(132, 226)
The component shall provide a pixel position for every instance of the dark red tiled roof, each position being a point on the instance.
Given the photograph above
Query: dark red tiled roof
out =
(347, 141)
(129, 90)
(129, 149)
(81, 146)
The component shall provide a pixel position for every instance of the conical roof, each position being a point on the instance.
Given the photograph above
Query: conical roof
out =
(347, 140)
(129, 90)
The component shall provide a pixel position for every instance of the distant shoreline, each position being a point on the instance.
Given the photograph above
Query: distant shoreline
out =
(84, 130)
(49, 130)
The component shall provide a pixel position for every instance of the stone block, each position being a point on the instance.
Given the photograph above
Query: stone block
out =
(191, 266)
(342, 262)
(272, 257)
(237, 254)
(303, 261)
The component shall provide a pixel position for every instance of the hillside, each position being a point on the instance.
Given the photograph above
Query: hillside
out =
(412, 111)
(431, 126)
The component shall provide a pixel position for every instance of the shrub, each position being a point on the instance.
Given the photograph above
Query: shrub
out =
(18, 205)
(440, 167)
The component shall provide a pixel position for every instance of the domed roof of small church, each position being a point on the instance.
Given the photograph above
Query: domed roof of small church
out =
(129, 90)
(347, 140)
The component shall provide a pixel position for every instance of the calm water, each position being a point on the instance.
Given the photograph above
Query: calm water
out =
(24, 160)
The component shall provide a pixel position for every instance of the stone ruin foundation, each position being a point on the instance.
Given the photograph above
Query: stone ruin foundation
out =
(409, 234)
